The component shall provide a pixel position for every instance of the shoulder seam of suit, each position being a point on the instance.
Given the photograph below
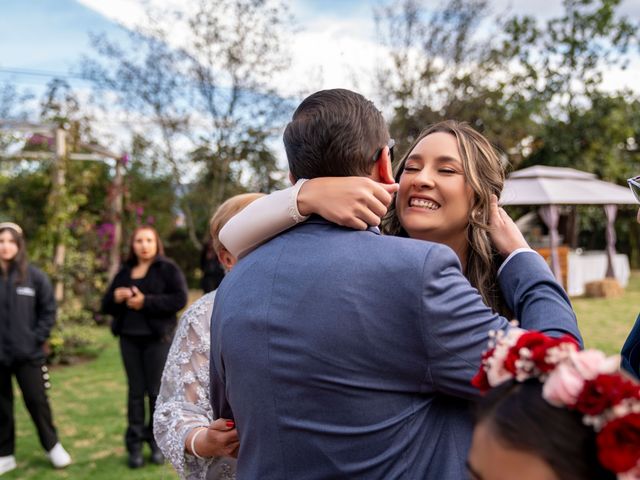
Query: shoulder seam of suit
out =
(425, 328)
(267, 316)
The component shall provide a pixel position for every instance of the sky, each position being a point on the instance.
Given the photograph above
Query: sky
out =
(334, 44)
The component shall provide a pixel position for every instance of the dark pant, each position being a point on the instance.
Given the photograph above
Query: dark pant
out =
(31, 377)
(144, 359)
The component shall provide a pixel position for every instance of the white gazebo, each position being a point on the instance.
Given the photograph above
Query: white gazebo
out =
(553, 186)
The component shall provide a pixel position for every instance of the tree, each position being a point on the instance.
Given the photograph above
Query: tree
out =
(515, 84)
(602, 139)
(533, 88)
(235, 48)
(208, 92)
(580, 124)
(13, 106)
(569, 54)
(441, 67)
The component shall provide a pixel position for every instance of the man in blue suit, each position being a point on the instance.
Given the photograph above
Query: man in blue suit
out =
(338, 352)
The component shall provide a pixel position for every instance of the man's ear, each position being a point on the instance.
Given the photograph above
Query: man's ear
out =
(292, 178)
(383, 165)
(226, 259)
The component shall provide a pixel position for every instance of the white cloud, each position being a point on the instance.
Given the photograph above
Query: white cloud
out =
(327, 51)
(618, 79)
(327, 54)
(125, 12)
(332, 49)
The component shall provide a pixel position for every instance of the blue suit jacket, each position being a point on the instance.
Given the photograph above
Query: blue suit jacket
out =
(347, 354)
(631, 351)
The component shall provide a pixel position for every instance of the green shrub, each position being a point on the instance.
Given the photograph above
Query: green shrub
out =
(73, 342)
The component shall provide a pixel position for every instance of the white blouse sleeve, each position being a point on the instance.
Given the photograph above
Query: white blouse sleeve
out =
(261, 220)
(183, 402)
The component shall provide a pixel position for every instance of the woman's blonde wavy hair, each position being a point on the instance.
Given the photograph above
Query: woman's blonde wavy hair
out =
(484, 173)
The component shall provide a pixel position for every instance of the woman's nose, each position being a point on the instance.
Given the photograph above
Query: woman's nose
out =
(424, 179)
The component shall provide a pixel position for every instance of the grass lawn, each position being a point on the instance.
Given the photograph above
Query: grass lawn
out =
(89, 401)
(605, 323)
(89, 405)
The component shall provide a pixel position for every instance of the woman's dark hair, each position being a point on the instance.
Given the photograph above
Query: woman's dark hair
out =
(132, 259)
(20, 260)
(334, 133)
(520, 419)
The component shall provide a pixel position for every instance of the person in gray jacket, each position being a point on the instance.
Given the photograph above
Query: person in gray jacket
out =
(27, 314)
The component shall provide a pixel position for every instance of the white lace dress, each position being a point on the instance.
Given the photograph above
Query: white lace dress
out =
(183, 402)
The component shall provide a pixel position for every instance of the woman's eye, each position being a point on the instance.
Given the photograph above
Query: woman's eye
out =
(447, 170)
(409, 168)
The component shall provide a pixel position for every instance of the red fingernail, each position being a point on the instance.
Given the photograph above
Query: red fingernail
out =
(230, 424)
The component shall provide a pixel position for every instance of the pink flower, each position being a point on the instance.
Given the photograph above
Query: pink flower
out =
(633, 474)
(591, 363)
(563, 385)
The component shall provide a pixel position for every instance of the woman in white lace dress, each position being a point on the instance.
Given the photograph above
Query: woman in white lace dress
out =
(197, 446)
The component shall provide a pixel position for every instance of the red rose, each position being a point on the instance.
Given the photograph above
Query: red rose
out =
(605, 391)
(619, 443)
(538, 344)
(528, 340)
(539, 353)
(480, 380)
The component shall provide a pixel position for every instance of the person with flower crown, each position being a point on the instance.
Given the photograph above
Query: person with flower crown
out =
(553, 412)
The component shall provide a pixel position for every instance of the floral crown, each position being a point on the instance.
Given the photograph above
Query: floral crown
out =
(585, 381)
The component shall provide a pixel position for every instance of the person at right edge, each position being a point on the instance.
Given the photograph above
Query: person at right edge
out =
(631, 349)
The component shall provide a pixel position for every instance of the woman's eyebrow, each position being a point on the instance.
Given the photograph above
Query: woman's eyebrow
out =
(448, 158)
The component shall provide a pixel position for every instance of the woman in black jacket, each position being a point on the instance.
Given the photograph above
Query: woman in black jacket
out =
(144, 298)
(27, 314)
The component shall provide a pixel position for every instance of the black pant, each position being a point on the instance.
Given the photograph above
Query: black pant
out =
(144, 359)
(31, 376)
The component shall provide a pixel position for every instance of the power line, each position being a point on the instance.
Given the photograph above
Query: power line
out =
(42, 73)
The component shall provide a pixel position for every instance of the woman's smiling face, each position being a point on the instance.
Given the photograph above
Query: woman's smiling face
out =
(434, 199)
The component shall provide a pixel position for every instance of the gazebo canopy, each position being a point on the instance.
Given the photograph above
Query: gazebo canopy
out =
(542, 185)
(553, 186)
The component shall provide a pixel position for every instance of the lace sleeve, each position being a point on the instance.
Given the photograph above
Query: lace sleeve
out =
(261, 220)
(183, 402)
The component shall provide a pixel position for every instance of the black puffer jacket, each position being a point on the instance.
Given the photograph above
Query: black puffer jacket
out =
(27, 314)
(165, 294)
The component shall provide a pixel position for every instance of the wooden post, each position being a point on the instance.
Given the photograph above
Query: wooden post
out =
(57, 185)
(117, 206)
